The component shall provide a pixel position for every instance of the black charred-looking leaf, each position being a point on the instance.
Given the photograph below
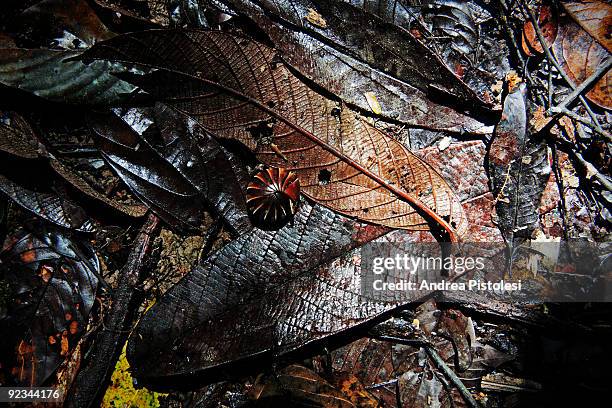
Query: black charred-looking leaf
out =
(264, 294)
(150, 177)
(201, 160)
(53, 279)
(518, 169)
(48, 205)
(51, 74)
(173, 166)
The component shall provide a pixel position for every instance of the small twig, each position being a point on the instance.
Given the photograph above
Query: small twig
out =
(382, 384)
(584, 121)
(450, 374)
(601, 71)
(605, 182)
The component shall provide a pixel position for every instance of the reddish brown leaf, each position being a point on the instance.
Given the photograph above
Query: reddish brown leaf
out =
(580, 55)
(236, 88)
(548, 23)
(595, 17)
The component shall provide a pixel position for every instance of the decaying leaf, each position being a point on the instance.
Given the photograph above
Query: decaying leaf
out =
(54, 74)
(48, 205)
(580, 55)
(51, 74)
(211, 321)
(17, 136)
(300, 387)
(518, 169)
(342, 161)
(378, 363)
(595, 17)
(53, 278)
(548, 23)
(348, 69)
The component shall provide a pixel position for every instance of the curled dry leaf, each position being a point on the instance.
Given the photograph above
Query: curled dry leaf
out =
(53, 279)
(580, 54)
(342, 161)
(548, 22)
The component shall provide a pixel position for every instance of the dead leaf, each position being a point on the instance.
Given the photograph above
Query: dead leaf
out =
(342, 162)
(595, 17)
(315, 18)
(53, 280)
(548, 23)
(580, 55)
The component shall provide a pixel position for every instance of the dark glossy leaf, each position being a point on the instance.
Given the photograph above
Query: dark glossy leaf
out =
(82, 185)
(342, 161)
(48, 205)
(51, 74)
(351, 69)
(53, 280)
(151, 178)
(264, 293)
(518, 169)
(202, 161)
(169, 161)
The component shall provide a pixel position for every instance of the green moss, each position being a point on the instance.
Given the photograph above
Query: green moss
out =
(121, 392)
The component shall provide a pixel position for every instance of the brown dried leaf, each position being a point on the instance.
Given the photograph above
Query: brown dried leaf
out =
(580, 55)
(547, 20)
(236, 88)
(16, 136)
(300, 387)
(595, 17)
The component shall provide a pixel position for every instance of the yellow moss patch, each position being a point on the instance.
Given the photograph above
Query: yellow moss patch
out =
(121, 392)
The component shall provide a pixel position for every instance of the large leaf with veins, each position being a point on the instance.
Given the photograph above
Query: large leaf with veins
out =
(237, 89)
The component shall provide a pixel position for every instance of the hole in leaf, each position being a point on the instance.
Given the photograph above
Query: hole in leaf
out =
(324, 176)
